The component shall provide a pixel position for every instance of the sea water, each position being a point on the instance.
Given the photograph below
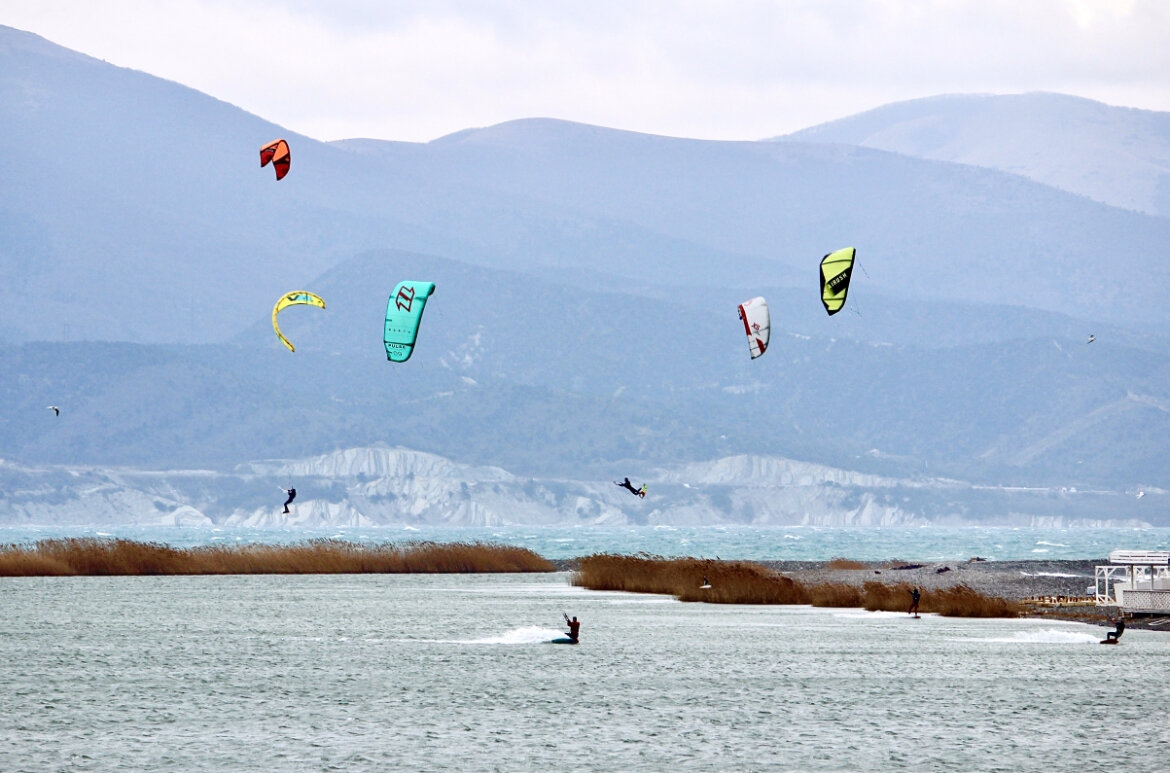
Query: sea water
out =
(454, 673)
(934, 543)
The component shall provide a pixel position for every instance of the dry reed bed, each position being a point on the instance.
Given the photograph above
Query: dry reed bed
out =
(742, 582)
(91, 556)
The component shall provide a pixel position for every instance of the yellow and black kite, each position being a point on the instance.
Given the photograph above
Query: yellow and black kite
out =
(836, 269)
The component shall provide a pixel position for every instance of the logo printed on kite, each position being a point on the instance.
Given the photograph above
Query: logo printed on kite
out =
(405, 299)
(840, 279)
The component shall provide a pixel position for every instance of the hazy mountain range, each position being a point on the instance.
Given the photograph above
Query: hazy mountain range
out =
(1118, 156)
(583, 326)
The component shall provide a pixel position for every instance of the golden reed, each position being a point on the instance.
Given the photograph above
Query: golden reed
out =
(91, 556)
(742, 582)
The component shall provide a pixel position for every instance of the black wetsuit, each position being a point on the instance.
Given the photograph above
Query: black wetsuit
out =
(627, 485)
(1115, 635)
(914, 601)
(292, 494)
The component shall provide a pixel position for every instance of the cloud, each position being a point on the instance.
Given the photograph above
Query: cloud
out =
(416, 70)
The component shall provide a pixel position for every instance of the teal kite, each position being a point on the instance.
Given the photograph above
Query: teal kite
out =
(403, 313)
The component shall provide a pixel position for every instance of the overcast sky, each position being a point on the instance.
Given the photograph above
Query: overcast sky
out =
(729, 69)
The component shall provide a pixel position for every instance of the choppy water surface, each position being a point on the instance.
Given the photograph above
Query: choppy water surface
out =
(795, 543)
(375, 673)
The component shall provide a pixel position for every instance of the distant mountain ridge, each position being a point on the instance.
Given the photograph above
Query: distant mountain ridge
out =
(583, 325)
(1115, 155)
(537, 376)
(171, 195)
(381, 486)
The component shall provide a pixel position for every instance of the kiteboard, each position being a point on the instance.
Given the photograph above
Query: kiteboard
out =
(1111, 641)
(563, 640)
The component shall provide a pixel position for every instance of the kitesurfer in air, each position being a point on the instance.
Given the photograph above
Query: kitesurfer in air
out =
(292, 494)
(1119, 623)
(914, 596)
(628, 486)
(574, 627)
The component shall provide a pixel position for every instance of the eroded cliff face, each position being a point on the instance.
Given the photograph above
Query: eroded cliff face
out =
(376, 486)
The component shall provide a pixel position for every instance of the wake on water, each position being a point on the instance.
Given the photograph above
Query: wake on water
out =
(532, 634)
(1048, 636)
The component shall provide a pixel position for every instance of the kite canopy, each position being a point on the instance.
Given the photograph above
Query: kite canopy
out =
(403, 313)
(836, 268)
(277, 152)
(300, 297)
(757, 323)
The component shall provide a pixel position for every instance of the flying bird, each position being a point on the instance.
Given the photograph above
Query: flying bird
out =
(56, 411)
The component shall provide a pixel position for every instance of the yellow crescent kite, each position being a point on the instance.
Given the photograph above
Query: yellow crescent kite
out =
(293, 299)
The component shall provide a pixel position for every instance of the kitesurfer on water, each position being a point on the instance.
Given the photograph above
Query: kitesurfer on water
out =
(627, 485)
(574, 627)
(1120, 625)
(914, 595)
(292, 494)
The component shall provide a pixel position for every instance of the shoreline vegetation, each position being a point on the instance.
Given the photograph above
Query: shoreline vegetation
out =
(976, 588)
(89, 556)
(743, 582)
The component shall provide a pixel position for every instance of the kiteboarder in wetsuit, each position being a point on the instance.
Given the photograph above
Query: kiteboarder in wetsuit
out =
(1115, 635)
(628, 486)
(292, 494)
(574, 627)
(914, 602)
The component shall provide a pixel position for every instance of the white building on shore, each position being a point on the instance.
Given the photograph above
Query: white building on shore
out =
(1136, 581)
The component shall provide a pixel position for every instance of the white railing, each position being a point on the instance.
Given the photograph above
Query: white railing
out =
(1144, 600)
(1106, 578)
(1140, 557)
